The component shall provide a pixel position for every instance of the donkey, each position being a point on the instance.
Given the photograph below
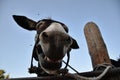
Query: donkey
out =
(52, 42)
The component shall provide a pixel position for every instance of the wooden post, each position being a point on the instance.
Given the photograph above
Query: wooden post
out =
(96, 45)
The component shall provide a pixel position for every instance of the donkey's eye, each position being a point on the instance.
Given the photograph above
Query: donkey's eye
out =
(68, 39)
(41, 22)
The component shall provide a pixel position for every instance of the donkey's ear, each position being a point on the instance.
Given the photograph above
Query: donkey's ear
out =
(74, 44)
(25, 22)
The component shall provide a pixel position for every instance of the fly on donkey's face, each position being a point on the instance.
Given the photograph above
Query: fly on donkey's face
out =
(52, 36)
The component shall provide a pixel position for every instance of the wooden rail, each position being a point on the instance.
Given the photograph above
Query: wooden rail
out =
(112, 72)
(43, 78)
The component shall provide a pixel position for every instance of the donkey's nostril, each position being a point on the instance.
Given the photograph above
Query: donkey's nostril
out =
(44, 34)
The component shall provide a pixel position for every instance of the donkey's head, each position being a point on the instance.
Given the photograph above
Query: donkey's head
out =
(52, 36)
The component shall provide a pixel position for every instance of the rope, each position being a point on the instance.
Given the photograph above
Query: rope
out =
(102, 66)
(79, 77)
(71, 67)
(68, 59)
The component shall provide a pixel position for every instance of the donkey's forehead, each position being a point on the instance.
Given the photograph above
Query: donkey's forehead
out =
(50, 21)
(45, 23)
(55, 27)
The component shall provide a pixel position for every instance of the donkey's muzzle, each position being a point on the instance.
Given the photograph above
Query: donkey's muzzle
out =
(48, 66)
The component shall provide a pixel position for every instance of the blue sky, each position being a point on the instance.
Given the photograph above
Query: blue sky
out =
(16, 43)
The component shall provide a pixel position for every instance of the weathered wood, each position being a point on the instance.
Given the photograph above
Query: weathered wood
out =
(43, 78)
(96, 45)
(112, 74)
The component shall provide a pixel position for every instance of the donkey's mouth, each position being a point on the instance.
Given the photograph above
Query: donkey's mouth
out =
(49, 65)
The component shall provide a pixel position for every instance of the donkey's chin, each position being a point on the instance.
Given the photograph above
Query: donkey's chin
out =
(50, 66)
